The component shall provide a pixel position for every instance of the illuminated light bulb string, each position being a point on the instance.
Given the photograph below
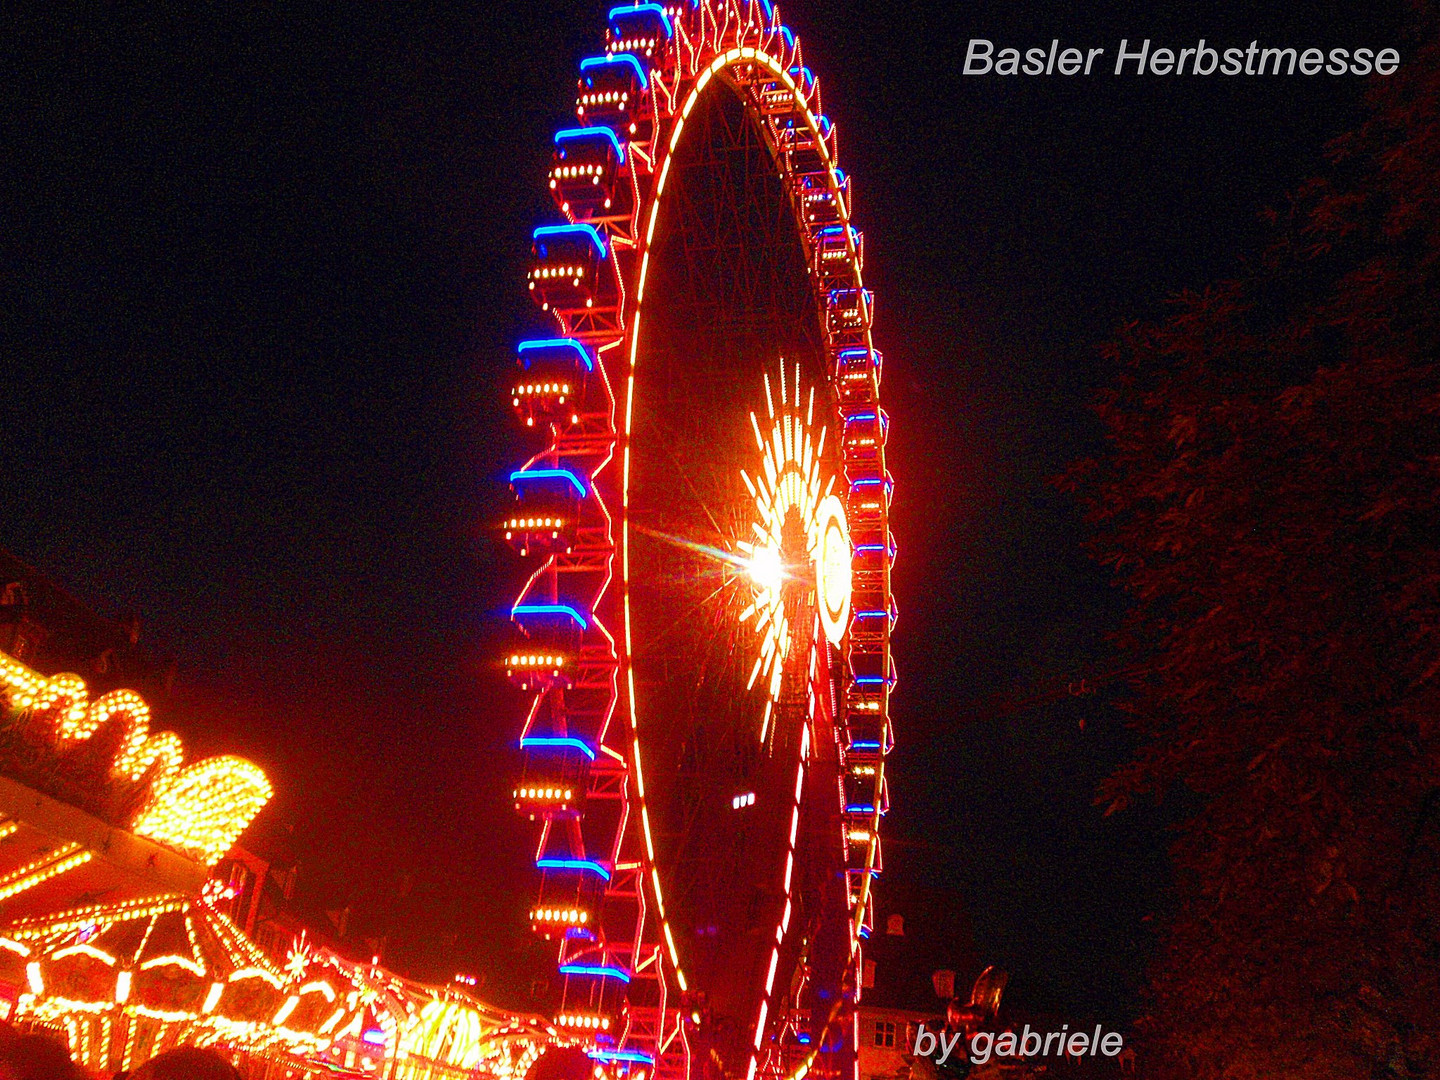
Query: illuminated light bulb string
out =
(199, 809)
(86, 971)
(609, 179)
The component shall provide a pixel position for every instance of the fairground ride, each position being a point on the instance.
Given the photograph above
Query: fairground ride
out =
(704, 637)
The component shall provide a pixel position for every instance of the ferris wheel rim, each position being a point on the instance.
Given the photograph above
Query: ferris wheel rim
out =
(732, 57)
(721, 62)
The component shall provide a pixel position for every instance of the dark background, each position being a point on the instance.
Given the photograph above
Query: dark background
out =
(262, 271)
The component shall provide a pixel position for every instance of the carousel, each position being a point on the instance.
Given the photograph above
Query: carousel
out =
(114, 937)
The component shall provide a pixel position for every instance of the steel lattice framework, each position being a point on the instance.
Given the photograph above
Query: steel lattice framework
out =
(705, 105)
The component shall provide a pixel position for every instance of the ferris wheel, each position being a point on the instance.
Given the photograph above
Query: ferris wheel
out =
(704, 635)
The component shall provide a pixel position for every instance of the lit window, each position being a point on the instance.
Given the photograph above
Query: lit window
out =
(884, 1032)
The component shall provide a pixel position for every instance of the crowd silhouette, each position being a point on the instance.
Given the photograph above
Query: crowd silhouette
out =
(38, 1056)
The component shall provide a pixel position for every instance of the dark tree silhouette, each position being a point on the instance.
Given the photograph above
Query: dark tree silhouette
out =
(1270, 499)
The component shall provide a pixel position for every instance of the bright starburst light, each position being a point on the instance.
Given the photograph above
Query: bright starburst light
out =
(791, 488)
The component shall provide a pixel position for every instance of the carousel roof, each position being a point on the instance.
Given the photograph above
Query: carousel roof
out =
(96, 808)
(171, 959)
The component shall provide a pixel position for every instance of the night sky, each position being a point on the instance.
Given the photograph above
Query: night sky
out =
(261, 269)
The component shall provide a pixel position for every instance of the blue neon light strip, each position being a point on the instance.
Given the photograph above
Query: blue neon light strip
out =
(522, 475)
(620, 1055)
(549, 609)
(570, 134)
(536, 741)
(856, 808)
(595, 969)
(804, 1040)
(556, 343)
(574, 864)
(633, 8)
(847, 353)
(623, 59)
(865, 746)
(869, 547)
(870, 680)
(872, 614)
(889, 484)
(859, 416)
(573, 230)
